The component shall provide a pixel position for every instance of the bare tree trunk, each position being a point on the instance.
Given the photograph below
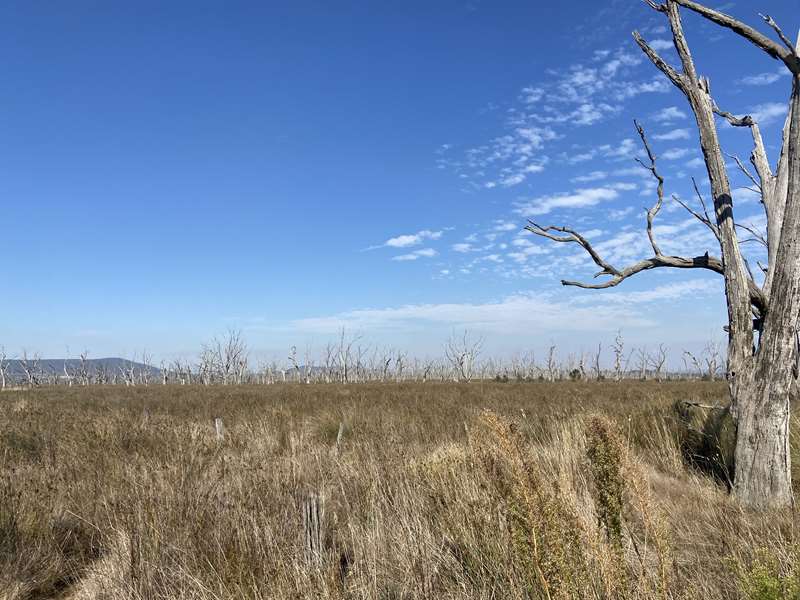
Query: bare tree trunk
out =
(762, 462)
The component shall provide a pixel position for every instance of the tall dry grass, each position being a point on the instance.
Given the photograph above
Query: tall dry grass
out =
(568, 490)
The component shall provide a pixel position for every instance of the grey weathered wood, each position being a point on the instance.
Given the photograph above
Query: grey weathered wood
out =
(339, 437)
(219, 428)
(313, 515)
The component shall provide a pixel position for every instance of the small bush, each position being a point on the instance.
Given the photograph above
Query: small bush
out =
(767, 579)
(604, 448)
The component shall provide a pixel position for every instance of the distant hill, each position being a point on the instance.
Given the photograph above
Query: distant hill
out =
(48, 366)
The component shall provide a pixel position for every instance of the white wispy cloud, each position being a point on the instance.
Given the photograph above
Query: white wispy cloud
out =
(616, 215)
(768, 112)
(411, 239)
(531, 94)
(669, 114)
(502, 225)
(627, 148)
(580, 157)
(695, 163)
(416, 254)
(674, 153)
(577, 199)
(765, 78)
(669, 291)
(657, 85)
(675, 134)
(593, 176)
(659, 45)
(526, 314)
(580, 95)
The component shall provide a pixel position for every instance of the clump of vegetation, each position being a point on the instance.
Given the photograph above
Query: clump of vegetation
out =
(605, 451)
(770, 577)
(544, 529)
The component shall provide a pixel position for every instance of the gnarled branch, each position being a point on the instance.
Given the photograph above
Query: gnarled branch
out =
(676, 78)
(618, 275)
(651, 214)
(755, 37)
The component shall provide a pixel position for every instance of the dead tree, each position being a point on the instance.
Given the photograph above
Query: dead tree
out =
(344, 355)
(308, 368)
(101, 375)
(761, 369)
(552, 366)
(31, 368)
(657, 361)
(145, 371)
(293, 362)
(4, 364)
(643, 360)
(598, 372)
(128, 371)
(399, 365)
(83, 368)
(69, 376)
(225, 359)
(618, 349)
(462, 353)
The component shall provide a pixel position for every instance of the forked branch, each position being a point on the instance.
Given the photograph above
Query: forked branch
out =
(617, 275)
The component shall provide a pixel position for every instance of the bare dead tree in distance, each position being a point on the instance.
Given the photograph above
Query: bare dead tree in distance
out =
(761, 368)
(462, 353)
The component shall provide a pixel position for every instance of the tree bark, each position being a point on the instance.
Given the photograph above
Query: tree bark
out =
(762, 475)
(763, 462)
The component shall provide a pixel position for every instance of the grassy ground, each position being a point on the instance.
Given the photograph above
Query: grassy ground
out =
(567, 490)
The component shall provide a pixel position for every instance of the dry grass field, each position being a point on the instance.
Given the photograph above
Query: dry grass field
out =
(482, 490)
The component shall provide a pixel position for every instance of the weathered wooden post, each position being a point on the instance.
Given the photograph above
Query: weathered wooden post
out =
(339, 437)
(313, 515)
(219, 428)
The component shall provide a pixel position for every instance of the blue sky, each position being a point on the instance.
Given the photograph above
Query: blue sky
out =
(170, 170)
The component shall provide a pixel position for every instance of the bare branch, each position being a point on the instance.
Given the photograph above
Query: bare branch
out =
(651, 214)
(757, 38)
(681, 45)
(703, 219)
(757, 235)
(573, 236)
(745, 121)
(655, 6)
(678, 262)
(707, 262)
(702, 202)
(771, 22)
(744, 170)
(676, 78)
